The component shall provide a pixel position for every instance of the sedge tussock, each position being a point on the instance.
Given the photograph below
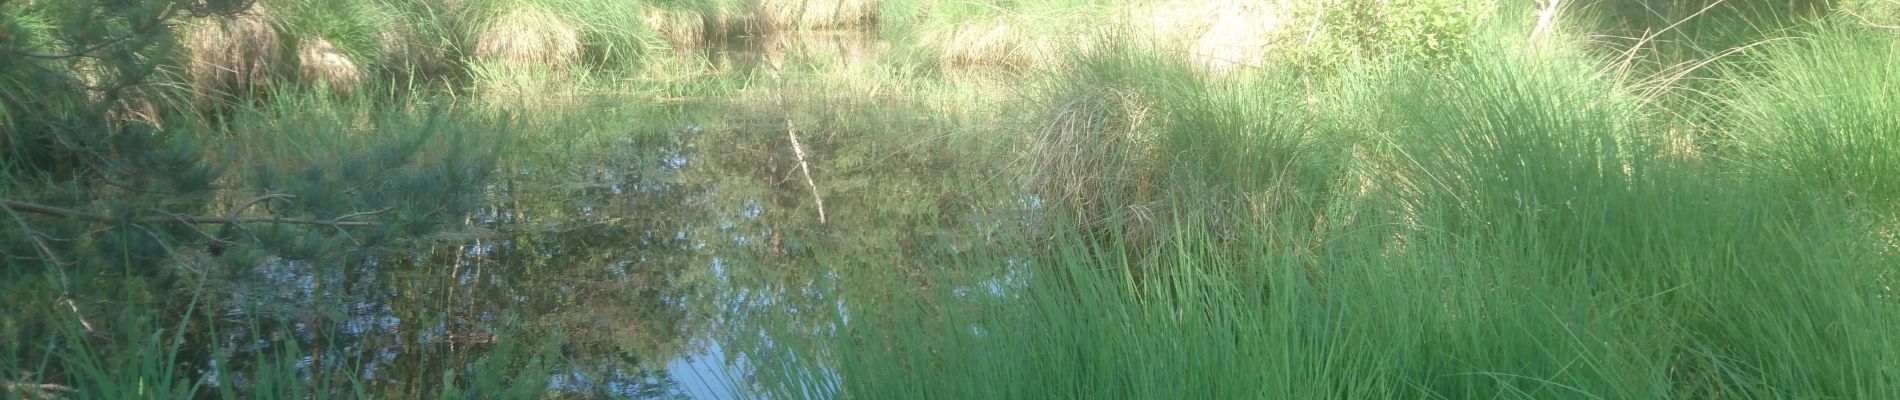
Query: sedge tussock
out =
(234, 55)
(320, 64)
(683, 30)
(409, 51)
(770, 16)
(529, 37)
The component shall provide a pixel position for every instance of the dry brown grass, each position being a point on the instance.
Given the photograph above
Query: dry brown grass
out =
(846, 48)
(1238, 37)
(142, 103)
(320, 64)
(770, 16)
(529, 38)
(683, 30)
(1218, 37)
(234, 55)
(407, 51)
(1005, 44)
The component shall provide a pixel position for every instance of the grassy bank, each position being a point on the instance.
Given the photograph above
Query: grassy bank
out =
(1510, 224)
(1148, 199)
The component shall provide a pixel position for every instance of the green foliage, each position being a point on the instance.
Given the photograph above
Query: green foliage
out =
(1430, 31)
(67, 66)
(356, 28)
(1814, 117)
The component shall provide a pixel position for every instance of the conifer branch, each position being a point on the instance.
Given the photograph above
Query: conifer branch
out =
(185, 219)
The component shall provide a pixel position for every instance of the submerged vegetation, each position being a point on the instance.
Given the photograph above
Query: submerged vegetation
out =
(1593, 199)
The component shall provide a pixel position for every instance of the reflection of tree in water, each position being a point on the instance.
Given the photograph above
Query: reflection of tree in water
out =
(786, 282)
(639, 251)
(589, 254)
(618, 377)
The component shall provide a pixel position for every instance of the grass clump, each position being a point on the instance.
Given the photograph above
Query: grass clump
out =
(790, 15)
(1814, 118)
(320, 64)
(235, 56)
(527, 37)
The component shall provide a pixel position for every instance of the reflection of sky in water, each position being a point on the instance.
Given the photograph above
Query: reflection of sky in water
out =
(1009, 283)
(675, 161)
(705, 375)
(752, 210)
(277, 294)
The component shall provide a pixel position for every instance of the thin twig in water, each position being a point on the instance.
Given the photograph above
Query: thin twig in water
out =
(791, 131)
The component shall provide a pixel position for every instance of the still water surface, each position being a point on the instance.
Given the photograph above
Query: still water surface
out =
(651, 256)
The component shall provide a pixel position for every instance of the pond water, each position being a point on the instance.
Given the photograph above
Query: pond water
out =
(651, 258)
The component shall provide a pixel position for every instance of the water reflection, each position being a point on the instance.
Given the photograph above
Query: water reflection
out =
(662, 265)
(591, 254)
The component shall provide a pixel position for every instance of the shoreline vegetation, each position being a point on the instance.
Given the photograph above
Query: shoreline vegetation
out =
(1446, 199)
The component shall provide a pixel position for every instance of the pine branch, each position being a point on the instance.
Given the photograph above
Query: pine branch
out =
(185, 219)
(139, 28)
(79, 52)
(58, 266)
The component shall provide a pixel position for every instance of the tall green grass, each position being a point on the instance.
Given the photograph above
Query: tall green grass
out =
(1515, 231)
(1815, 117)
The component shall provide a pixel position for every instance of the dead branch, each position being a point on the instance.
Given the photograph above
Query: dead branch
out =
(35, 390)
(82, 317)
(791, 131)
(177, 219)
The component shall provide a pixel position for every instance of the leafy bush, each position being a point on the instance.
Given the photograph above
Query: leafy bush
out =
(1430, 31)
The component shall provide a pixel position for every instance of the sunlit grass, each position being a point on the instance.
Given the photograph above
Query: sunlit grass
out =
(1519, 234)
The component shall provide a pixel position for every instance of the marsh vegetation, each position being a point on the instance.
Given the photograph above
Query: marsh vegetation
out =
(872, 199)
